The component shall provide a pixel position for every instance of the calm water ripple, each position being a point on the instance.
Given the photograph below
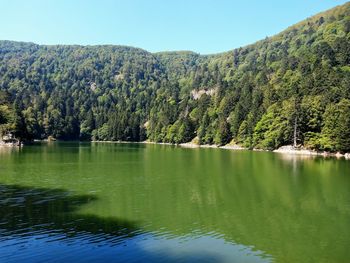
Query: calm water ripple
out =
(82, 202)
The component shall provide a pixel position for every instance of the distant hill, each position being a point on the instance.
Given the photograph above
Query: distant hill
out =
(293, 87)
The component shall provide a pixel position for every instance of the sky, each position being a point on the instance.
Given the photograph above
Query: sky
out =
(203, 26)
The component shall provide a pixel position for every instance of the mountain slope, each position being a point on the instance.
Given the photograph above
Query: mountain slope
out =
(292, 87)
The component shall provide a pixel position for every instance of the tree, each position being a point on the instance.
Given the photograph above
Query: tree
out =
(270, 93)
(223, 134)
(336, 129)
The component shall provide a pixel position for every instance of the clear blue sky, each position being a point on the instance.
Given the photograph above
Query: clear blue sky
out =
(204, 26)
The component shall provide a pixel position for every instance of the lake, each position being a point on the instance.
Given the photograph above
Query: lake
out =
(105, 202)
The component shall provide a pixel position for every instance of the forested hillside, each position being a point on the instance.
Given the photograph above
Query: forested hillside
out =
(292, 86)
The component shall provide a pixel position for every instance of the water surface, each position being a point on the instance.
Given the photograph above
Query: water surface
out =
(82, 202)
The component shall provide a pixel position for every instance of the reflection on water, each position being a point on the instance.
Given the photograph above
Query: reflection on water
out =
(25, 210)
(137, 203)
(41, 225)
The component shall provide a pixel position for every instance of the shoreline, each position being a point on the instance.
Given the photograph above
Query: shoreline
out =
(10, 144)
(286, 150)
(306, 152)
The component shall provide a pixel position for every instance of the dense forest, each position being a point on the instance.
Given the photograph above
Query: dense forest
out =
(293, 87)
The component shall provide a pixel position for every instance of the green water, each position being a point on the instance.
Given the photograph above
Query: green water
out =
(83, 202)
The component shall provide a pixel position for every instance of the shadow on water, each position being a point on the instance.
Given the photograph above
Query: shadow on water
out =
(24, 209)
(42, 225)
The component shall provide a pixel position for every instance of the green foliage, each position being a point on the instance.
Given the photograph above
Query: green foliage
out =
(336, 129)
(254, 95)
(275, 127)
(9, 121)
(223, 135)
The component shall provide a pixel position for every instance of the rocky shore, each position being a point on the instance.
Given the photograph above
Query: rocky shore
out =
(10, 143)
(288, 149)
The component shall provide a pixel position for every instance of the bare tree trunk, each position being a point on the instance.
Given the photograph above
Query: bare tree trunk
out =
(186, 111)
(295, 133)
